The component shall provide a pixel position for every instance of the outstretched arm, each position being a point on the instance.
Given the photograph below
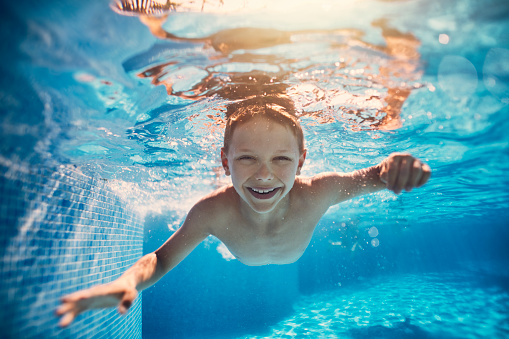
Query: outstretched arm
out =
(398, 172)
(144, 273)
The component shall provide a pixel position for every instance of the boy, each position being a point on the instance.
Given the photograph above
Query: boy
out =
(267, 215)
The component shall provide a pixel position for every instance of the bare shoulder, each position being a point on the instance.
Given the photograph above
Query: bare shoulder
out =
(313, 191)
(213, 209)
(308, 201)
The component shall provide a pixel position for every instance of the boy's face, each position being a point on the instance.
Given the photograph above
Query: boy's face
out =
(263, 160)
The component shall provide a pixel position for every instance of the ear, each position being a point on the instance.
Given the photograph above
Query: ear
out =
(224, 161)
(302, 158)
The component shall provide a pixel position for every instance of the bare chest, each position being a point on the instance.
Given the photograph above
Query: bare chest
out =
(282, 242)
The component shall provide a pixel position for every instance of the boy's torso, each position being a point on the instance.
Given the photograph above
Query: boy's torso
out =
(281, 241)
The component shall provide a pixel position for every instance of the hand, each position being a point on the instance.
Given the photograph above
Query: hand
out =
(402, 171)
(100, 296)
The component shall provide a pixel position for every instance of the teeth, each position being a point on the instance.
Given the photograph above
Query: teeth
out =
(263, 191)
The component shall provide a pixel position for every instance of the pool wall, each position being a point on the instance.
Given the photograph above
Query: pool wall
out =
(61, 231)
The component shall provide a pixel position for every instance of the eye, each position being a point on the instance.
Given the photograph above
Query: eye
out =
(246, 158)
(282, 158)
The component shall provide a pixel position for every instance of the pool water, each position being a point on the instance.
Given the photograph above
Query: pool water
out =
(445, 305)
(142, 111)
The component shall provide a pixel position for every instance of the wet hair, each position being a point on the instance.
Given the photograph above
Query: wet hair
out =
(274, 108)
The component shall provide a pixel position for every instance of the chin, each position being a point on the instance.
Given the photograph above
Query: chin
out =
(263, 210)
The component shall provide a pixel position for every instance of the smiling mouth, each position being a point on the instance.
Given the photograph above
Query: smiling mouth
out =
(263, 193)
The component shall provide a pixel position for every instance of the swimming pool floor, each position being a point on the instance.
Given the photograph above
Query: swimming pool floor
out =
(434, 305)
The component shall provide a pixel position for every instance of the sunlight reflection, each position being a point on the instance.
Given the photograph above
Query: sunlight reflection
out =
(496, 73)
(353, 81)
(457, 76)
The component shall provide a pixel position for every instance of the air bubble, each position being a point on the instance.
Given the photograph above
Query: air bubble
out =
(373, 232)
(443, 39)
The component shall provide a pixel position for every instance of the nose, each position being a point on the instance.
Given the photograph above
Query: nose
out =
(264, 172)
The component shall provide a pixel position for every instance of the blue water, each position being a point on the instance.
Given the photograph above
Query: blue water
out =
(86, 86)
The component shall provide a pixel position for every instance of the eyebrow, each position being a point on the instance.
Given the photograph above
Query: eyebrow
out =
(247, 150)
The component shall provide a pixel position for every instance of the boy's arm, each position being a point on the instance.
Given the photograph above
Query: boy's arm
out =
(398, 172)
(144, 273)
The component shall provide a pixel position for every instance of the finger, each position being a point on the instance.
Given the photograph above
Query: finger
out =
(403, 175)
(64, 308)
(127, 301)
(74, 296)
(124, 306)
(68, 298)
(426, 174)
(415, 175)
(67, 319)
(392, 172)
